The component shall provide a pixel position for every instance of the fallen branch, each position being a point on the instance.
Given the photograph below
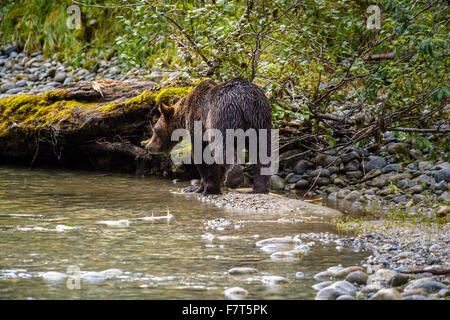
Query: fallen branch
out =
(433, 272)
(434, 130)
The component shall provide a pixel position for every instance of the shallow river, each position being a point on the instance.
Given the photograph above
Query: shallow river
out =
(82, 223)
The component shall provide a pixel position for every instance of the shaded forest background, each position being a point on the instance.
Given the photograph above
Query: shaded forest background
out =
(333, 80)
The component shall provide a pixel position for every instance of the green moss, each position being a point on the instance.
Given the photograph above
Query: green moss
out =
(37, 111)
(90, 65)
(166, 95)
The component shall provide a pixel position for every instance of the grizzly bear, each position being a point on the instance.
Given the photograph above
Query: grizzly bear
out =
(235, 104)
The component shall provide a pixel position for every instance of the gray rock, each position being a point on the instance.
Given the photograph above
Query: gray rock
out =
(21, 83)
(15, 90)
(382, 275)
(350, 156)
(301, 166)
(434, 247)
(414, 284)
(236, 293)
(321, 285)
(277, 182)
(415, 189)
(417, 198)
(7, 50)
(399, 199)
(394, 167)
(345, 297)
(425, 165)
(114, 70)
(357, 277)
(18, 67)
(425, 180)
(441, 185)
(322, 181)
(387, 294)
(324, 160)
(353, 196)
(333, 170)
(33, 77)
(379, 182)
(340, 182)
(354, 175)
(302, 184)
(328, 294)
(416, 154)
(397, 148)
(375, 163)
(333, 291)
(399, 279)
(444, 293)
(68, 80)
(415, 297)
(8, 86)
(444, 197)
(432, 286)
(294, 178)
(405, 183)
(323, 173)
(60, 77)
(411, 166)
(442, 175)
(371, 288)
(352, 165)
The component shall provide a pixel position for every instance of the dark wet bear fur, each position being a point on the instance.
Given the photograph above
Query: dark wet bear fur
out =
(235, 104)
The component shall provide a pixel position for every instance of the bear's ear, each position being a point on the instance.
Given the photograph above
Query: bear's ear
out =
(175, 100)
(166, 111)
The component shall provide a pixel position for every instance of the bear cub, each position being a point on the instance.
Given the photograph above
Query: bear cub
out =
(235, 104)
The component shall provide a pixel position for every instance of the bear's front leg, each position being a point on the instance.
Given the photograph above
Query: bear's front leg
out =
(213, 179)
(261, 183)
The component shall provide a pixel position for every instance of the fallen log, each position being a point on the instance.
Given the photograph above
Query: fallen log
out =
(98, 124)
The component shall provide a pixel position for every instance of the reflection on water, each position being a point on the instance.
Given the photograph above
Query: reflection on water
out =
(61, 221)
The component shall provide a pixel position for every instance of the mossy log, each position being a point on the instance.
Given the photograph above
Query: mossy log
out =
(98, 124)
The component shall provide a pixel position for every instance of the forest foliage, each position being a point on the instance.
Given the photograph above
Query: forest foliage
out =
(335, 68)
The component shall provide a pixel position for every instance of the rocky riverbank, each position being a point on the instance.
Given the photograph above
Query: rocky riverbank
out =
(397, 176)
(32, 73)
(399, 179)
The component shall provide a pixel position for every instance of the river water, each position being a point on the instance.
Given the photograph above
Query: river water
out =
(60, 230)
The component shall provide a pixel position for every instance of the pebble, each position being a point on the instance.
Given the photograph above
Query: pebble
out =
(93, 276)
(242, 270)
(357, 277)
(109, 273)
(54, 276)
(274, 280)
(115, 223)
(387, 294)
(319, 286)
(236, 293)
(286, 255)
(399, 279)
(276, 241)
(335, 290)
